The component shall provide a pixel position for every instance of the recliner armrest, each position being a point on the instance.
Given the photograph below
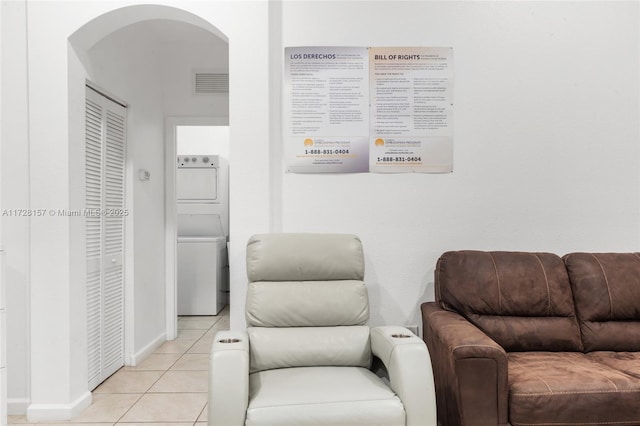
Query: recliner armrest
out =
(470, 370)
(229, 379)
(409, 367)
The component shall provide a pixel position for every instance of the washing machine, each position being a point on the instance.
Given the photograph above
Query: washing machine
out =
(202, 213)
(201, 276)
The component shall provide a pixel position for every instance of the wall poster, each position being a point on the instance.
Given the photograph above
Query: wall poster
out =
(327, 108)
(359, 109)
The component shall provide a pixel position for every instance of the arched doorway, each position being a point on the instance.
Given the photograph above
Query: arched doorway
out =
(147, 56)
(48, 374)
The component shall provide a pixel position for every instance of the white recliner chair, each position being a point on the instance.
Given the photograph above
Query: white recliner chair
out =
(306, 356)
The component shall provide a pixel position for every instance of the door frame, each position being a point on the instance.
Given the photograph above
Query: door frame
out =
(171, 231)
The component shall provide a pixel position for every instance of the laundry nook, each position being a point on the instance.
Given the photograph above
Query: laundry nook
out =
(202, 207)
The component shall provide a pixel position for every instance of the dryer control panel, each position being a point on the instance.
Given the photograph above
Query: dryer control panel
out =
(197, 179)
(197, 161)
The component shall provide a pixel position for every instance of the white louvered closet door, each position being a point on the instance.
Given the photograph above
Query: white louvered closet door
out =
(105, 173)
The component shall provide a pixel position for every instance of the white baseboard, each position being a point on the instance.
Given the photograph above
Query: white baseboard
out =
(134, 359)
(53, 412)
(17, 406)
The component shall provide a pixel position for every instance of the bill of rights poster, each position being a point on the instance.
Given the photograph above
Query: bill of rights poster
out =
(411, 109)
(359, 109)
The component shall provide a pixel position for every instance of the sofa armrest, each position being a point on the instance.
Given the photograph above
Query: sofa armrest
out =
(407, 361)
(229, 379)
(470, 370)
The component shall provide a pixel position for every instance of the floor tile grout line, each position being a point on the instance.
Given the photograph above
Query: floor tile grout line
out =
(129, 409)
(203, 408)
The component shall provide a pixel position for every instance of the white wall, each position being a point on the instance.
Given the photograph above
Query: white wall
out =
(546, 153)
(212, 140)
(3, 301)
(15, 194)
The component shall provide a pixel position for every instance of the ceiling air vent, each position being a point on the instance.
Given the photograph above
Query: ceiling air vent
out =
(206, 83)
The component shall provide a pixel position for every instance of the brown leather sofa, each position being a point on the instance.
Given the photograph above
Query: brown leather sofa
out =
(535, 339)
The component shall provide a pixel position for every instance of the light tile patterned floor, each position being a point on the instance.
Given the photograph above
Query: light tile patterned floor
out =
(168, 388)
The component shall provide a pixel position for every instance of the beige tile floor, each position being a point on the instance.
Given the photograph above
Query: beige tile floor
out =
(168, 388)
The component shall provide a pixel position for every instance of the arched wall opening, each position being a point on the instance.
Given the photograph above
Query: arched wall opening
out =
(146, 55)
(49, 58)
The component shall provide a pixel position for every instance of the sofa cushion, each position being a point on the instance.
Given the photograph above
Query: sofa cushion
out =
(523, 301)
(555, 388)
(625, 362)
(322, 396)
(606, 288)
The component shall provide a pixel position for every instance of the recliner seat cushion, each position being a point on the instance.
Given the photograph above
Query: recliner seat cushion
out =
(321, 396)
(523, 301)
(606, 287)
(570, 388)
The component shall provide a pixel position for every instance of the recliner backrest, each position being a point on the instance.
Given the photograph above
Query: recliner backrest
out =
(521, 300)
(307, 304)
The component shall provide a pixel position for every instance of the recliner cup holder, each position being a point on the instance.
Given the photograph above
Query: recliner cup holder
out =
(400, 336)
(229, 341)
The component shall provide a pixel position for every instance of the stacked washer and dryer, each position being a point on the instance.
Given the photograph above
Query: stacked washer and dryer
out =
(202, 195)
